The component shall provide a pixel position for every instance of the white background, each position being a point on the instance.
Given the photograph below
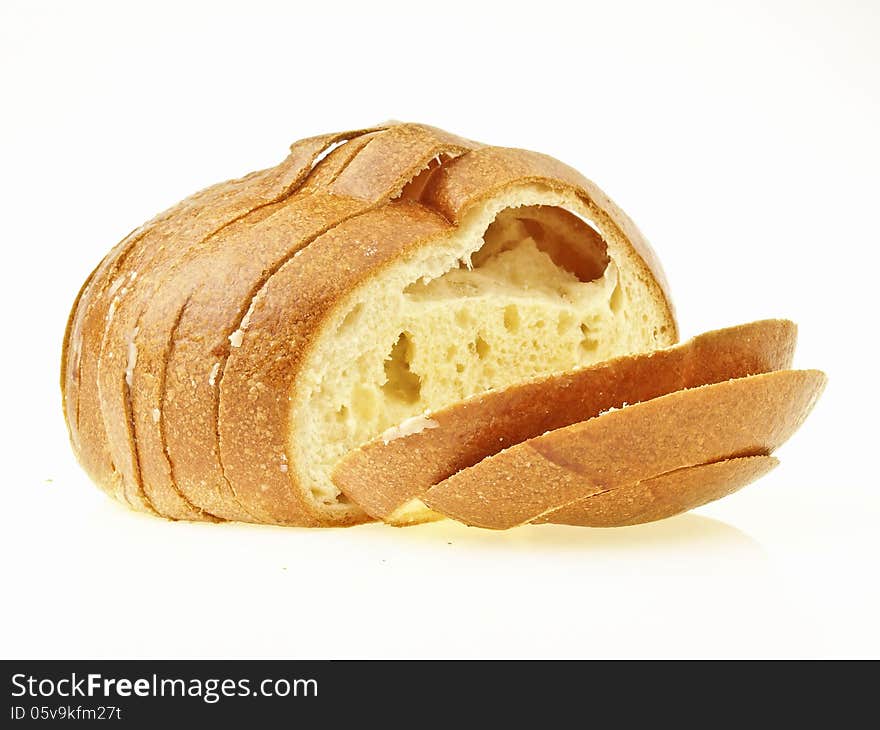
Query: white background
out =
(741, 137)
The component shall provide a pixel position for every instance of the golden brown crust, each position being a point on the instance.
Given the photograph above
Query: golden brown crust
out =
(162, 322)
(65, 347)
(663, 496)
(84, 414)
(145, 266)
(747, 416)
(189, 220)
(381, 477)
(382, 170)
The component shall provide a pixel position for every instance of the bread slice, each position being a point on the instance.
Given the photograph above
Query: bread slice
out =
(744, 417)
(388, 475)
(663, 496)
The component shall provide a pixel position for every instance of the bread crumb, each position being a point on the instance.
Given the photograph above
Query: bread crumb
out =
(132, 357)
(283, 468)
(236, 337)
(612, 409)
(246, 320)
(212, 378)
(114, 287)
(410, 426)
(157, 414)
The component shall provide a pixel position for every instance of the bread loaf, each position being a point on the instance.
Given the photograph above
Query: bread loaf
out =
(224, 355)
(224, 358)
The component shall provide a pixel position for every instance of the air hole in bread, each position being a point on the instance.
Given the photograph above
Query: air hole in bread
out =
(401, 383)
(589, 342)
(616, 301)
(522, 287)
(569, 242)
(350, 320)
(511, 318)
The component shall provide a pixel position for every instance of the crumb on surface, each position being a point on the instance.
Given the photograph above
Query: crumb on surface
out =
(410, 426)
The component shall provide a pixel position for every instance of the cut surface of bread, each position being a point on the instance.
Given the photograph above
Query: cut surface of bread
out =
(386, 475)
